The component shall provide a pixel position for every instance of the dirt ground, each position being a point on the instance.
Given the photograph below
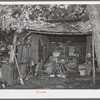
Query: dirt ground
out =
(44, 81)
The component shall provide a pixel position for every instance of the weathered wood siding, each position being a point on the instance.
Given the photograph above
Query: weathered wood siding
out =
(88, 44)
(34, 48)
(26, 54)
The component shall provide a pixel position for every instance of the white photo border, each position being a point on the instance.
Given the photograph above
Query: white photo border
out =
(53, 93)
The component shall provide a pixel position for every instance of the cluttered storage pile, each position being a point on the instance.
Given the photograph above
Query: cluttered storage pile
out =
(56, 65)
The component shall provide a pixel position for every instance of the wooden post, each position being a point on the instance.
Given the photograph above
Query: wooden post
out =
(94, 80)
(14, 42)
(13, 49)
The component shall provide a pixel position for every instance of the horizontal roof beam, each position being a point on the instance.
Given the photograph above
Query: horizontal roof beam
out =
(58, 33)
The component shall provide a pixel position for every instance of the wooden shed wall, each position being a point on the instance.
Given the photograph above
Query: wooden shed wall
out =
(34, 48)
(27, 53)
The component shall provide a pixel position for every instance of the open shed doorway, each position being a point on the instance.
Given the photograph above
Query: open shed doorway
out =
(72, 47)
(68, 53)
(68, 61)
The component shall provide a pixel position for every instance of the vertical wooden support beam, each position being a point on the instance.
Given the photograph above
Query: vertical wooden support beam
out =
(14, 42)
(13, 49)
(93, 61)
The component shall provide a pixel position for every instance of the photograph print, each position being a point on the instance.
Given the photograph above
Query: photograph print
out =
(49, 46)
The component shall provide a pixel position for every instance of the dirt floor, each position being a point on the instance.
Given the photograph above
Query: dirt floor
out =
(44, 81)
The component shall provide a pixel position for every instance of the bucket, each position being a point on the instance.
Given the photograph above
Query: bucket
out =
(82, 72)
(56, 54)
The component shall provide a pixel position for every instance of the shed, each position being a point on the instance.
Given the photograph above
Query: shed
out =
(38, 42)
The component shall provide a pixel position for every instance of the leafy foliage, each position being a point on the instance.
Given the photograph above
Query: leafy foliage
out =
(18, 17)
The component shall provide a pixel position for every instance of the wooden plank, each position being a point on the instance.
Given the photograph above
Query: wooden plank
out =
(19, 56)
(34, 48)
(20, 76)
(28, 48)
(11, 59)
(13, 49)
(94, 78)
(57, 33)
(81, 31)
